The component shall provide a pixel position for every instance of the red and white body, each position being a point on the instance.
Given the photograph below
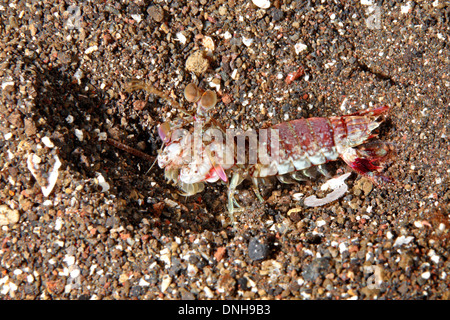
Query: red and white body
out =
(302, 143)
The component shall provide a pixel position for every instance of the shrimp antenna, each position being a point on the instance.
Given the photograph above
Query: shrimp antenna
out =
(134, 85)
(156, 158)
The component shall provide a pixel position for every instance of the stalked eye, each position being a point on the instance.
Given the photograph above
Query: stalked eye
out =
(164, 131)
(192, 93)
(209, 99)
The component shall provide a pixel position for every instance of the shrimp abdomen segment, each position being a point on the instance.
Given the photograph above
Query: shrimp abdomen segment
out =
(303, 143)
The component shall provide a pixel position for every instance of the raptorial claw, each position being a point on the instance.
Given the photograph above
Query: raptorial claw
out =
(366, 160)
(217, 167)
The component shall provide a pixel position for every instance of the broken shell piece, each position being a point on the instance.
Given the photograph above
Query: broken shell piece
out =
(263, 4)
(208, 43)
(102, 136)
(313, 201)
(339, 189)
(47, 142)
(102, 182)
(8, 215)
(181, 37)
(247, 41)
(7, 84)
(33, 164)
(69, 119)
(79, 134)
(299, 47)
(297, 196)
(197, 63)
(335, 182)
(401, 240)
(165, 283)
(215, 83)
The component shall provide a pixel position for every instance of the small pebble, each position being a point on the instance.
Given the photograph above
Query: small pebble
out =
(300, 47)
(91, 49)
(257, 250)
(79, 134)
(181, 37)
(156, 13)
(208, 43)
(47, 142)
(197, 63)
(247, 41)
(165, 283)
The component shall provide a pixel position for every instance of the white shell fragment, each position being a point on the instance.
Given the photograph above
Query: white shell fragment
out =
(91, 49)
(102, 182)
(299, 47)
(33, 164)
(78, 75)
(405, 8)
(180, 37)
(69, 119)
(165, 283)
(263, 4)
(313, 201)
(7, 84)
(137, 17)
(79, 134)
(247, 41)
(335, 182)
(297, 196)
(227, 35)
(47, 142)
(339, 189)
(215, 84)
(102, 136)
(401, 240)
